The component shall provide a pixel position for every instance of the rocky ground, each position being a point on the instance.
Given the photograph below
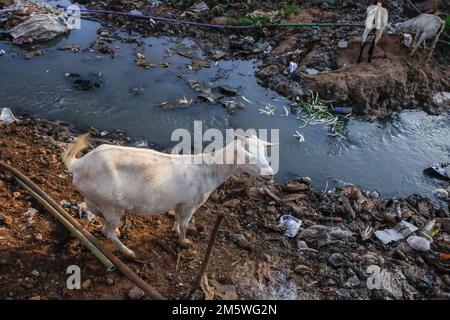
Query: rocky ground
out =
(326, 57)
(334, 255)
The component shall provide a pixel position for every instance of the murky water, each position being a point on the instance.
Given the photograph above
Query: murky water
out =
(386, 156)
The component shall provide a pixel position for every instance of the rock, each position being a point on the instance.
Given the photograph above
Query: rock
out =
(336, 259)
(231, 203)
(7, 220)
(221, 20)
(86, 284)
(296, 186)
(342, 44)
(35, 298)
(38, 236)
(135, 293)
(35, 273)
(6, 3)
(302, 269)
(302, 245)
(35, 53)
(312, 71)
(109, 281)
(200, 6)
(227, 90)
(268, 71)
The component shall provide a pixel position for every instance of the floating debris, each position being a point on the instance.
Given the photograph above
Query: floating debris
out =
(268, 109)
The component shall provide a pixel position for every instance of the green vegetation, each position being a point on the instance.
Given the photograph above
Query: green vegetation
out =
(291, 9)
(249, 21)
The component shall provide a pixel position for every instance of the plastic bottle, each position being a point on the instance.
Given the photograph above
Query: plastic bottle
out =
(344, 110)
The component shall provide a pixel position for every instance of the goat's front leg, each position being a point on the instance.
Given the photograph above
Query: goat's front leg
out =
(417, 45)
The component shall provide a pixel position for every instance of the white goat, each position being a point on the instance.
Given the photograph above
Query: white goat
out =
(115, 179)
(425, 25)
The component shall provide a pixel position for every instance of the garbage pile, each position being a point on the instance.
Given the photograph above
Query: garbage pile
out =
(345, 243)
(28, 22)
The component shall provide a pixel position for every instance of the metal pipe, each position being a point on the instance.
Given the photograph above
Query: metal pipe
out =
(122, 267)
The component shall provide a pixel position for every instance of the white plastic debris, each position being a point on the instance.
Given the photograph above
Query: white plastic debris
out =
(290, 225)
(343, 44)
(312, 71)
(2, 52)
(7, 116)
(399, 232)
(440, 193)
(442, 99)
(418, 243)
(40, 27)
(407, 40)
(292, 67)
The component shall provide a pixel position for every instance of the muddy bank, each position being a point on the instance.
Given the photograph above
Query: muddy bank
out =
(326, 57)
(333, 255)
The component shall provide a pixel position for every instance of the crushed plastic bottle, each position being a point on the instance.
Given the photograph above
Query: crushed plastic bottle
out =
(290, 225)
(343, 110)
(418, 243)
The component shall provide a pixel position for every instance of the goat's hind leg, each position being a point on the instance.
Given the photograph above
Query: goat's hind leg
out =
(112, 220)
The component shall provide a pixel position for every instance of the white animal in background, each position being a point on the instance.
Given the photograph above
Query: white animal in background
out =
(116, 179)
(377, 18)
(425, 26)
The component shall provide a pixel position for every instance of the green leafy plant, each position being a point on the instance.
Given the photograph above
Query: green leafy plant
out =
(291, 9)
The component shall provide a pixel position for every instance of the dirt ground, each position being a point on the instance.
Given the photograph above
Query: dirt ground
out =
(253, 259)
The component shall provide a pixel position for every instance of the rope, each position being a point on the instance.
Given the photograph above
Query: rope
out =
(219, 26)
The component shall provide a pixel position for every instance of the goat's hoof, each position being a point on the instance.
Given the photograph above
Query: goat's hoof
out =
(185, 243)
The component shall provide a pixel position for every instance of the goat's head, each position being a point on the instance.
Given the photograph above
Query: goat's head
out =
(251, 156)
(401, 27)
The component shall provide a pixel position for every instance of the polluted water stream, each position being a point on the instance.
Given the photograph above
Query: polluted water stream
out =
(388, 156)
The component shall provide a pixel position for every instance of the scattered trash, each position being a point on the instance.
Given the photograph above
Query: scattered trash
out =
(401, 231)
(268, 109)
(40, 26)
(7, 116)
(290, 225)
(312, 71)
(292, 67)
(439, 171)
(442, 99)
(2, 52)
(342, 44)
(407, 40)
(440, 193)
(246, 100)
(180, 102)
(141, 61)
(418, 243)
(299, 136)
(320, 111)
(139, 142)
(199, 7)
(343, 110)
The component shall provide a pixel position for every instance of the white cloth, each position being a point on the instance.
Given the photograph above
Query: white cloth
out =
(377, 18)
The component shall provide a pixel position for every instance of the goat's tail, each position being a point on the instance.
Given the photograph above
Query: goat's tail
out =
(69, 155)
